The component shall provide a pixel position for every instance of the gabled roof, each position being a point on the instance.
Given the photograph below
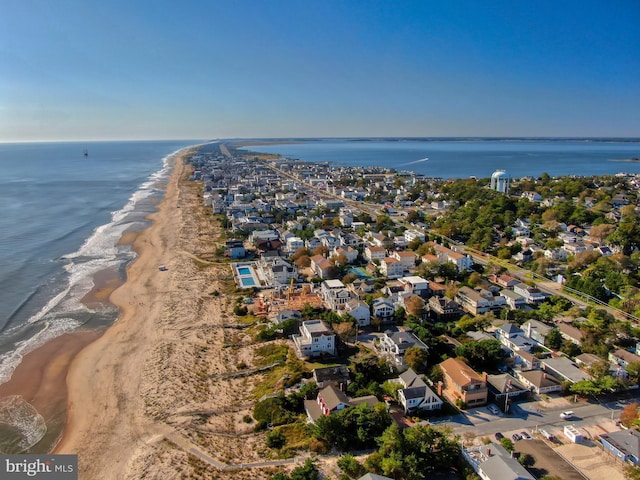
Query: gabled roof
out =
(409, 378)
(333, 397)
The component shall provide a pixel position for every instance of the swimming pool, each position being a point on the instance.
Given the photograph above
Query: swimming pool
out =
(244, 271)
(246, 282)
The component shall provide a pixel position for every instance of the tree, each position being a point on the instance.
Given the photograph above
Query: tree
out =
(307, 472)
(416, 358)
(633, 372)
(482, 355)
(349, 465)
(629, 414)
(553, 339)
(507, 444)
(345, 330)
(414, 305)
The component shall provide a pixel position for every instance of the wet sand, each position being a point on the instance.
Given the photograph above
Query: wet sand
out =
(40, 380)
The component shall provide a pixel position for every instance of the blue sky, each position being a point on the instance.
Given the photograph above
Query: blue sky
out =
(137, 69)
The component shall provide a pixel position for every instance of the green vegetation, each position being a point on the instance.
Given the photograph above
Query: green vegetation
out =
(352, 428)
(413, 453)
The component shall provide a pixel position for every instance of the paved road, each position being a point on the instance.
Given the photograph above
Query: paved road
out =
(528, 416)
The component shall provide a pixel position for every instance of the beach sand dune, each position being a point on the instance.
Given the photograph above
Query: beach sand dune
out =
(141, 394)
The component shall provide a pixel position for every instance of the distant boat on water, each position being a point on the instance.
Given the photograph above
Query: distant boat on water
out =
(85, 153)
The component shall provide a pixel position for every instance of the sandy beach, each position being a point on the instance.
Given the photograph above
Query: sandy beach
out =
(137, 394)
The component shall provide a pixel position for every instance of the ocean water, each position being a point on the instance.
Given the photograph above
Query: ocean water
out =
(463, 158)
(62, 216)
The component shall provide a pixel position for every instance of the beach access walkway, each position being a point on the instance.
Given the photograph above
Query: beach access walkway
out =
(185, 444)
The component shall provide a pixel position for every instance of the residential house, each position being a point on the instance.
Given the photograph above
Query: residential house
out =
(359, 310)
(532, 295)
(493, 462)
(416, 285)
(391, 268)
(504, 280)
(407, 259)
(536, 330)
(335, 294)
(293, 244)
(538, 381)
(415, 394)
(461, 261)
(383, 308)
(374, 252)
(412, 234)
(350, 253)
(361, 287)
(526, 360)
(315, 339)
(623, 358)
(437, 289)
(331, 399)
(235, 249)
(513, 338)
(504, 389)
(321, 266)
(564, 369)
(394, 345)
(443, 308)
(463, 384)
(624, 444)
(477, 302)
(569, 332)
(287, 314)
(338, 376)
(276, 270)
(513, 300)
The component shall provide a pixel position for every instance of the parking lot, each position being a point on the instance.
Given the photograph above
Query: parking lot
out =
(545, 460)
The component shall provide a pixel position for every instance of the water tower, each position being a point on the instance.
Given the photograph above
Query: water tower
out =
(500, 181)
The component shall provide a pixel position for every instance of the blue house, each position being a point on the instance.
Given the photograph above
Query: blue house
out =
(624, 444)
(235, 249)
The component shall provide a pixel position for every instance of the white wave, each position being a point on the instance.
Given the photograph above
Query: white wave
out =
(52, 328)
(417, 161)
(99, 252)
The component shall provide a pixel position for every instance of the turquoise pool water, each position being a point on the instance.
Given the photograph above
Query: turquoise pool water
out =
(247, 282)
(244, 271)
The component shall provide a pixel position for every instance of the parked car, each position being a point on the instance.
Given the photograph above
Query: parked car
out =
(567, 415)
(516, 437)
(493, 409)
(499, 436)
(525, 435)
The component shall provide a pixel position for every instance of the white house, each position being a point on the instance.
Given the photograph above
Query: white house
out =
(373, 252)
(383, 308)
(335, 294)
(407, 258)
(358, 310)
(391, 268)
(415, 394)
(395, 344)
(315, 339)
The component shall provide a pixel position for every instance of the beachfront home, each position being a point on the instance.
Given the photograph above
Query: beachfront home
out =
(335, 294)
(315, 339)
(331, 399)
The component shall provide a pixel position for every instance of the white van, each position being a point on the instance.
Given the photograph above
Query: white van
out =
(567, 415)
